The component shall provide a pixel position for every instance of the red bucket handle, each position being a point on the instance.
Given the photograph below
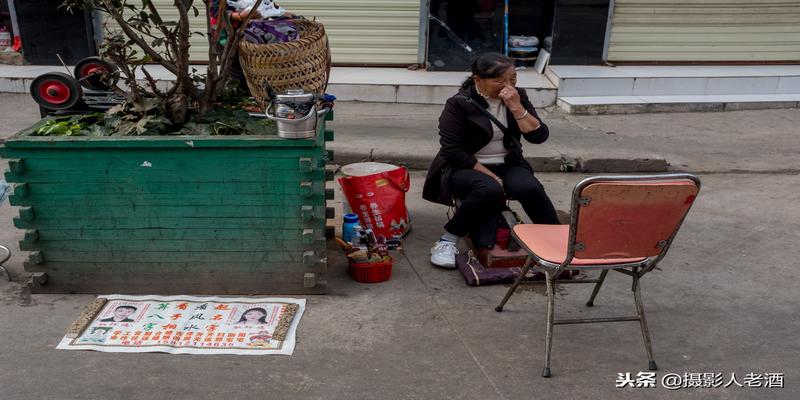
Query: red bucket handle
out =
(404, 186)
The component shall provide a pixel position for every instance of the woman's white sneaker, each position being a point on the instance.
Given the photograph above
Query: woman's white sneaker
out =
(443, 254)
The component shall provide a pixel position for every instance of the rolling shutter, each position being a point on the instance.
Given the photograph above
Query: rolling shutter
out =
(373, 32)
(705, 31)
(366, 31)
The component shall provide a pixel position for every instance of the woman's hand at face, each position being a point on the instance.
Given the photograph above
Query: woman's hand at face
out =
(510, 97)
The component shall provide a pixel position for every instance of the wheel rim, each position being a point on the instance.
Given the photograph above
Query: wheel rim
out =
(91, 69)
(54, 92)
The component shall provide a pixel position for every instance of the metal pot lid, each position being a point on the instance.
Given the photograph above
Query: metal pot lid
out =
(295, 96)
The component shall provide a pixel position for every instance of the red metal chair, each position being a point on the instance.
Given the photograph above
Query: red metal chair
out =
(619, 223)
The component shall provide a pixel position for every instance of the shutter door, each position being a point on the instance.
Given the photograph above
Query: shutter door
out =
(366, 31)
(198, 52)
(360, 31)
(705, 30)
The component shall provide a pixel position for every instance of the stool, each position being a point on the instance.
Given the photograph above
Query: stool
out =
(512, 256)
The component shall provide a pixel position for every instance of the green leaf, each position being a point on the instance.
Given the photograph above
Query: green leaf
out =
(98, 130)
(141, 126)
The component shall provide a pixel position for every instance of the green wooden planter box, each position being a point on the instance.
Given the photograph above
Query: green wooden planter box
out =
(172, 214)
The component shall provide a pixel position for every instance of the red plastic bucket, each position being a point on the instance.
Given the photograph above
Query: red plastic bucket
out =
(376, 192)
(372, 272)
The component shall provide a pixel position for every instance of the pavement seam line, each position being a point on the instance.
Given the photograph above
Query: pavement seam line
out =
(453, 328)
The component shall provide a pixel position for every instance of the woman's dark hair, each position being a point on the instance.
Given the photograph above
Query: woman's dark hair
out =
(489, 65)
(259, 309)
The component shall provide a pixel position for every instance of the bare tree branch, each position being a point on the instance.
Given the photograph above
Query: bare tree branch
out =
(153, 84)
(233, 45)
(169, 45)
(117, 15)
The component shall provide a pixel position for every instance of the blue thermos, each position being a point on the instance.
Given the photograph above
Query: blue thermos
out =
(348, 227)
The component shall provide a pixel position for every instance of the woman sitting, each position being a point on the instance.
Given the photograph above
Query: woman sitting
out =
(478, 162)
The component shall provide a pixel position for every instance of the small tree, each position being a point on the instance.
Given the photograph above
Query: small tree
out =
(145, 38)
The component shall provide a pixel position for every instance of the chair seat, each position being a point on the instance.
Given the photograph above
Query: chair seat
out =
(549, 242)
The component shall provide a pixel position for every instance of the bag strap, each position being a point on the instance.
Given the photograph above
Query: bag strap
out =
(486, 112)
(275, 32)
(401, 187)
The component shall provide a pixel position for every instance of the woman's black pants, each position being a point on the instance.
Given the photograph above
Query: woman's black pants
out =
(482, 198)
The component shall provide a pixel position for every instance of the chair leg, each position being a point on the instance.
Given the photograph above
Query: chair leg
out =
(597, 286)
(637, 297)
(525, 270)
(551, 298)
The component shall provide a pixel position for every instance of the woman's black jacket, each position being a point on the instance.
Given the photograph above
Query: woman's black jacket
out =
(463, 130)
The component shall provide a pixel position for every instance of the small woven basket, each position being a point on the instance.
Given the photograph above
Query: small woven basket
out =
(372, 272)
(303, 63)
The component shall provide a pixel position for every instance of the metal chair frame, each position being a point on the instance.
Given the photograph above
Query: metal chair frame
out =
(635, 270)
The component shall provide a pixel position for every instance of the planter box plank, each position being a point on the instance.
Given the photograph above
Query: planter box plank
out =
(253, 257)
(169, 199)
(172, 214)
(205, 175)
(155, 213)
(161, 160)
(186, 245)
(149, 188)
(76, 235)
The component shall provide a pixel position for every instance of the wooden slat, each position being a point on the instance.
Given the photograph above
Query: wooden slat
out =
(125, 246)
(249, 161)
(88, 212)
(182, 142)
(142, 188)
(132, 153)
(256, 257)
(150, 199)
(55, 235)
(167, 223)
(277, 177)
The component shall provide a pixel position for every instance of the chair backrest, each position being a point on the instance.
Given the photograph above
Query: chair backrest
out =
(629, 217)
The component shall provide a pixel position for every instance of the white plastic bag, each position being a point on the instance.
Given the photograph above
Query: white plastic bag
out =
(267, 9)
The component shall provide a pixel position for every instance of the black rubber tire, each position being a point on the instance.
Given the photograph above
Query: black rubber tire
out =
(94, 73)
(56, 91)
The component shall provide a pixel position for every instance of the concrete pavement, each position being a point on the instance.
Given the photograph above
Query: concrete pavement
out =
(724, 302)
(754, 141)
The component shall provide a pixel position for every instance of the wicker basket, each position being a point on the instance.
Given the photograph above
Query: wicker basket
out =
(304, 63)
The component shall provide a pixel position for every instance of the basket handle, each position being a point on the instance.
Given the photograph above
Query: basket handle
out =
(401, 187)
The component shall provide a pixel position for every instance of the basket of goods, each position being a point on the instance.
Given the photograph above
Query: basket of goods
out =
(369, 258)
(297, 57)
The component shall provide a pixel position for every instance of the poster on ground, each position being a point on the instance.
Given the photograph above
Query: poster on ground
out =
(187, 325)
